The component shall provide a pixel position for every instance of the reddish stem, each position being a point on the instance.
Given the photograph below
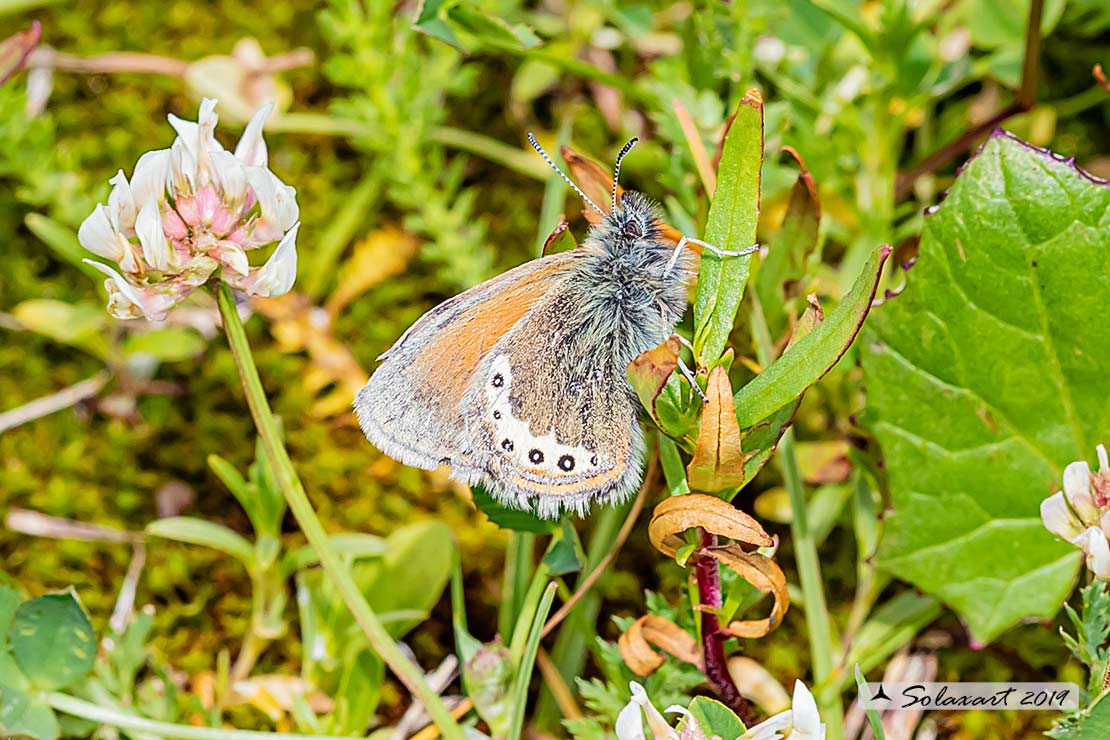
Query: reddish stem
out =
(712, 639)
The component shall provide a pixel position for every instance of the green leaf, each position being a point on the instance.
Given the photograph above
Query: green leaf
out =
(171, 344)
(891, 626)
(201, 532)
(53, 640)
(814, 354)
(872, 714)
(9, 602)
(1096, 724)
(987, 376)
(714, 718)
(23, 714)
(351, 545)
(357, 697)
(516, 520)
(80, 325)
(63, 240)
(731, 225)
(411, 575)
(564, 555)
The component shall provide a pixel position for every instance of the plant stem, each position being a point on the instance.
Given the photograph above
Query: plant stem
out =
(408, 672)
(809, 573)
(124, 721)
(708, 573)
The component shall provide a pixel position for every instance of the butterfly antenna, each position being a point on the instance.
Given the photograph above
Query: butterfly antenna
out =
(567, 180)
(617, 168)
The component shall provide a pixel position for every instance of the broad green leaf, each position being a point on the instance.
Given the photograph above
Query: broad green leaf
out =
(987, 376)
(731, 225)
(814, 354)
(515, 519)
(202, 532)
(357, 697)
(53, 640)
(412, 573)
(1095, 725)
(22, 714)
(714, 718)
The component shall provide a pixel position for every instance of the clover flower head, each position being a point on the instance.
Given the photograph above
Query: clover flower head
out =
(192, 212)
(1080, 513)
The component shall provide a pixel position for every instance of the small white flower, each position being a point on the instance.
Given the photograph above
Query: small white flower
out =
(802, 719)
(1077, 489)
(97, 235)
(1093, 542)
(630, 725)
(251, 148)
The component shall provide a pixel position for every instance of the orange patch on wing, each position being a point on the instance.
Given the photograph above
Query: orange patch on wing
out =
(451, 358)
(571, 486)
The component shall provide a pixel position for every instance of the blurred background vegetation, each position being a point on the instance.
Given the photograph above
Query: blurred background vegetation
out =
(403, 130)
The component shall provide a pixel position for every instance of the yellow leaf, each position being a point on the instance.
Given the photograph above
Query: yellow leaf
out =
(381, 255)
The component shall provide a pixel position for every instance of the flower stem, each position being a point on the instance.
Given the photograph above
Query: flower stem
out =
(708, 573)
(809, 573)
(408, 672)
(125, 721)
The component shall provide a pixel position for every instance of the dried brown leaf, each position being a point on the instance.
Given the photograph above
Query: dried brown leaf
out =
(718, 461)
(763, 573)
(676, 514)
(811, 316)
(651, 630)
(560, 239)
(648, 373)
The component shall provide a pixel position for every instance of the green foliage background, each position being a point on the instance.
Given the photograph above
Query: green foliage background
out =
(387, 139)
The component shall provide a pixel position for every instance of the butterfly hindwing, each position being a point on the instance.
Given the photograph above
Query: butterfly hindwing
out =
(410, 408)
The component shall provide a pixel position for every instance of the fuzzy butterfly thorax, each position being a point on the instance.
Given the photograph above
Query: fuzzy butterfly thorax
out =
(519, 383)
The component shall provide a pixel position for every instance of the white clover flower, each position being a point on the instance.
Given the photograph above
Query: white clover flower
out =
(801, 719)
(1080, 513)
(191, 213)
(630, 721)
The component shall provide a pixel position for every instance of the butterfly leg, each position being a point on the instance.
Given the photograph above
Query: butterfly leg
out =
(693, 381)
(706, 245)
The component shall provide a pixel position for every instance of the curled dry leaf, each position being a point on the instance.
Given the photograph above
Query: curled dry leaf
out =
(648, 373)
(637, 641)
(763, 573)
(676, 514)
(597, 183)
(718, 461)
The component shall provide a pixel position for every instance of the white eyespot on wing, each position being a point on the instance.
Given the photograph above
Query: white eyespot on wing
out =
(537, 457)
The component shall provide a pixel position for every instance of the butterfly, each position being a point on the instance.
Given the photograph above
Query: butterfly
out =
(519, 383)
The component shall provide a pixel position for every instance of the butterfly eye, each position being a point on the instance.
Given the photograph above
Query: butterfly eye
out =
(507, 445)
(566, 462)
(496, 414)
(593, 460)
(535, 456)
(498, 380)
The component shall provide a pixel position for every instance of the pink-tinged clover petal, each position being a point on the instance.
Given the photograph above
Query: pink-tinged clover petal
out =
(156, 247)
(121, 204)
(174, 227)
(97, 235)
(277, 203)
(1058, 518)
(251, 149)
(276, 277)
(1093, 542)
(125, 301)
(1103, 458)
(1077, 489)
(151, 176)
(232, 256)
(771, 728)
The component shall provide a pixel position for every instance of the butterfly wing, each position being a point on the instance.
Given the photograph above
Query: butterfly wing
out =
(550, 414)
(410, 407)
